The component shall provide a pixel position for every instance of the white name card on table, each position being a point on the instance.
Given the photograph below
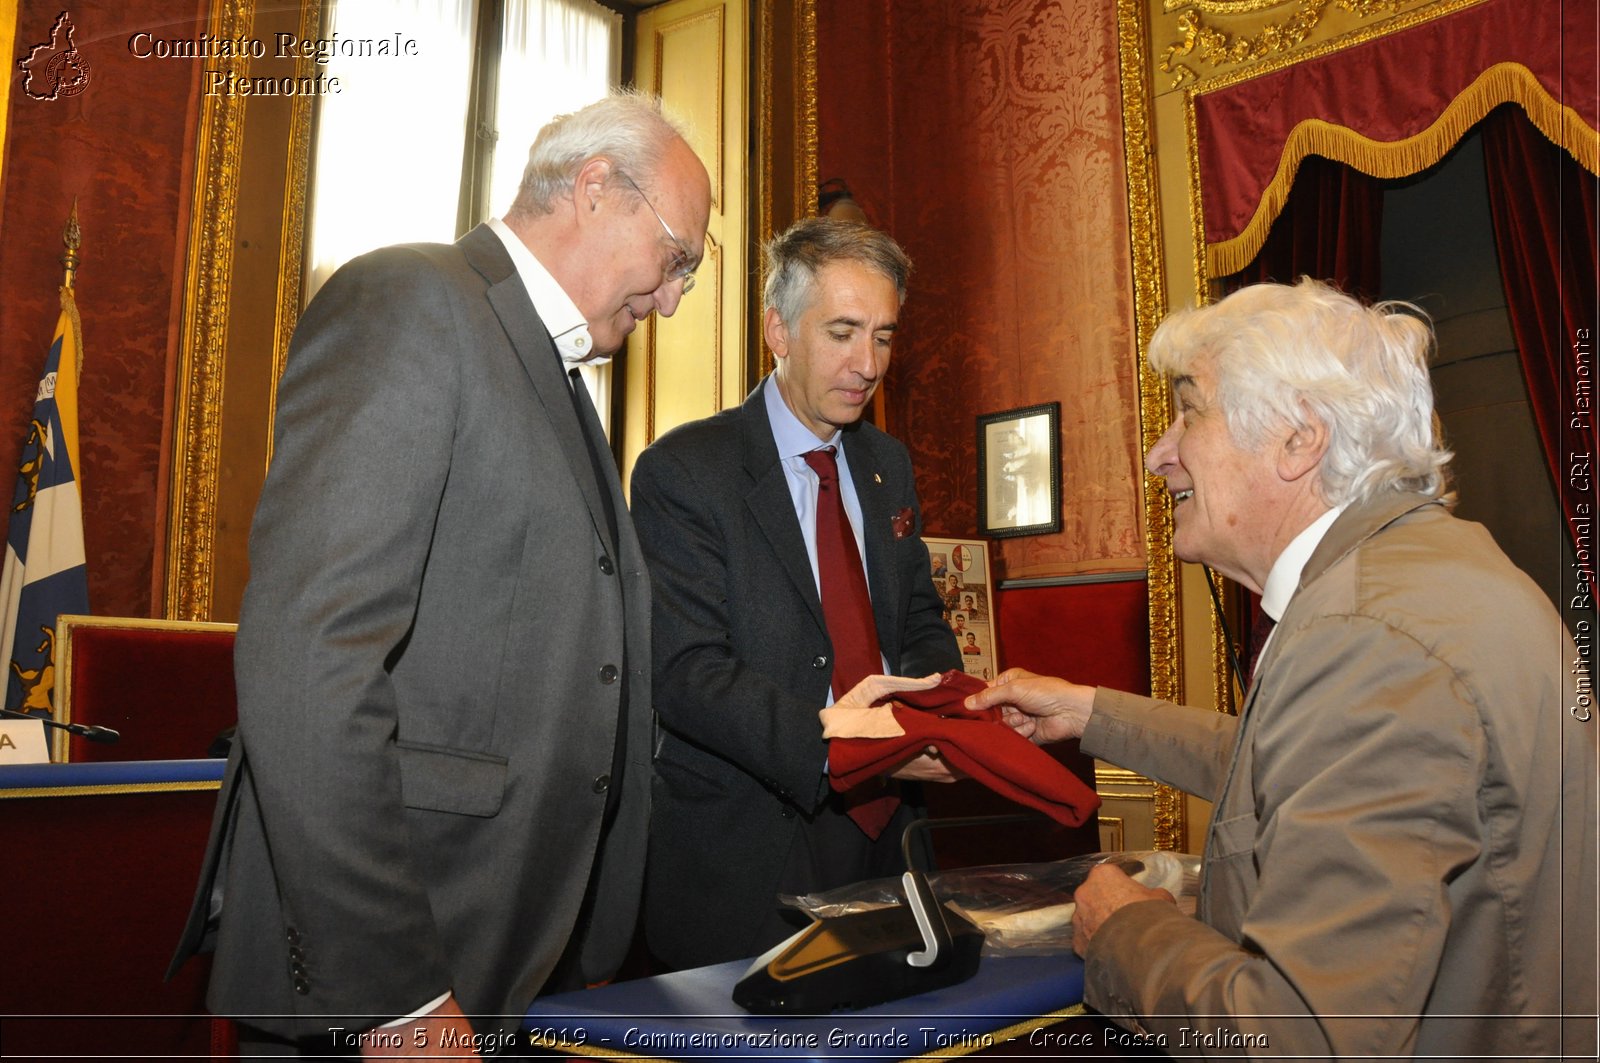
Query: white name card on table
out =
(22, 742)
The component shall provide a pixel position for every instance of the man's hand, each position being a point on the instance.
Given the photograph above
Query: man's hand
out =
(1105, 889)
(1040, 707)
(424, 1035)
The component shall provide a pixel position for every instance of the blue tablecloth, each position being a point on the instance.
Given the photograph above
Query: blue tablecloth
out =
(691, 1014)
(112, 773)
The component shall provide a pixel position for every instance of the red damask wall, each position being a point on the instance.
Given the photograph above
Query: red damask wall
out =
(986, 135)
(123, 148)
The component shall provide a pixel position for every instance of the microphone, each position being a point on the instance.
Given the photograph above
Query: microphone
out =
(93, 734)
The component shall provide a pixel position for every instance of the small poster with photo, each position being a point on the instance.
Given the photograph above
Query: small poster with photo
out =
(961, 576)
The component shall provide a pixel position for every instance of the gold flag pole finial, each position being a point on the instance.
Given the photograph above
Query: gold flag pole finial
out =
(73, 238)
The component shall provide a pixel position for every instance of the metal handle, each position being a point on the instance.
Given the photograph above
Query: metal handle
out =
(929, 914)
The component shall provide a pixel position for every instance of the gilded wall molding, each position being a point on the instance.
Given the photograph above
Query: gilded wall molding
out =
(1170, 819)
(291, 253)
(1416, 13)
(648, 350)
(197, 432)
(787, 144)
(807, 161)
(1216, 47)
(1221, 657)
(1150, 305)
(650, 347)
(715, 16)
(1197, 216)
(766, 143)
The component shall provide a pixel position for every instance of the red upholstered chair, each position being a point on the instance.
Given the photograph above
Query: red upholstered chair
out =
(166, 685)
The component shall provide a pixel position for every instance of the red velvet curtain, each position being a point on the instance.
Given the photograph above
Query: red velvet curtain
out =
(1330, 229)
(1545, 228)
(1390, 90)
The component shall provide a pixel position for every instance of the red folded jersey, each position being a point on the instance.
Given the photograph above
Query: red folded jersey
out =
(977, 743)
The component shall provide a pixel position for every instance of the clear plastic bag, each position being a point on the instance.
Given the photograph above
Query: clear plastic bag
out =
(1022, 908)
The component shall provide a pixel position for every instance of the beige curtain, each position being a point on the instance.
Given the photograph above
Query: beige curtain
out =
(387, 158)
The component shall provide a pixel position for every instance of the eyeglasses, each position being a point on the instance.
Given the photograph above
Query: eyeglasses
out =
(682, 266)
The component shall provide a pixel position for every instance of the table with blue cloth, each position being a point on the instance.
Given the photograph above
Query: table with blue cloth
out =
(1013, 1002)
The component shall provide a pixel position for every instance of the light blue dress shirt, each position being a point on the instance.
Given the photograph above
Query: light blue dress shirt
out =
(794, 441)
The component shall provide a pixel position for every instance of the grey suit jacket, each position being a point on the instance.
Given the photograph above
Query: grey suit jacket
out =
(743, 662)
(428, 667)
(1404, 830)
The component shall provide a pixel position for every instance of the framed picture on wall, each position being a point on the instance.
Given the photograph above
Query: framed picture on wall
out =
(1019, 471)
(961, 575)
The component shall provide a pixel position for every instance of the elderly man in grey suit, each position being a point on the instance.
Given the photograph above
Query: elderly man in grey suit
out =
(428, 806)
(1401, 858)
(749, 640)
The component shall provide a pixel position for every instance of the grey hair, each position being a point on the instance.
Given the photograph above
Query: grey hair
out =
(629, 127)
(1283, 350)
(796, 256)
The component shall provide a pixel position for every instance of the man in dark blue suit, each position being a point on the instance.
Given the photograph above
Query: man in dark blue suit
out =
(726, 511)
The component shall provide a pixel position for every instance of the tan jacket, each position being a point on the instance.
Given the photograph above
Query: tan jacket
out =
(1402, 855)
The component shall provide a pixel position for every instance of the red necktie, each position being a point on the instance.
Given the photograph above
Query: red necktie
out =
(1261, 626)
(847, 607)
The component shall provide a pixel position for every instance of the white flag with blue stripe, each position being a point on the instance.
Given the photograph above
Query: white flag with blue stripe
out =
(45, 573)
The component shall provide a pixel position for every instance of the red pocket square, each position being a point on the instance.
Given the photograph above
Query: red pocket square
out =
(903, 522)
(975, 742)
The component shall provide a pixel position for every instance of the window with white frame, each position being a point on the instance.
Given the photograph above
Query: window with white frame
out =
(423, 146)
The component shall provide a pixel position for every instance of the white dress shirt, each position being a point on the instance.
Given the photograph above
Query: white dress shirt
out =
(1284, 578)
(561, 316)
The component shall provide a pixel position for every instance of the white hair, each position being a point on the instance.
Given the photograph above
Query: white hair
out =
(629, 127)
(1281, 351)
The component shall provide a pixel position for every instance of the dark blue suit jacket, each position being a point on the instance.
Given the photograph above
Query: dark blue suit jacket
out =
(743, 663)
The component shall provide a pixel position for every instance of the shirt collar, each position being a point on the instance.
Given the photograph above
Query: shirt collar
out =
(561, 316)
(1284, 578)
(792, 437)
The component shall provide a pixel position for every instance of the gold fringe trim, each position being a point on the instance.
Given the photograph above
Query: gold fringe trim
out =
(1501, 83)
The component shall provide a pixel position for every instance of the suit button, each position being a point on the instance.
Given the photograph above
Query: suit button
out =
(787, 812)
(298, 970)
(293, 935)
(819, 662)
(302, 986)
(606, 566)
(608, 674)
(296, 955)
(602, 783)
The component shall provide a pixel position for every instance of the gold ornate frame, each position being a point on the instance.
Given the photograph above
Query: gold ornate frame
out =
(242, 156)
(1168, 813)
(786, 135)
(208, 278)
